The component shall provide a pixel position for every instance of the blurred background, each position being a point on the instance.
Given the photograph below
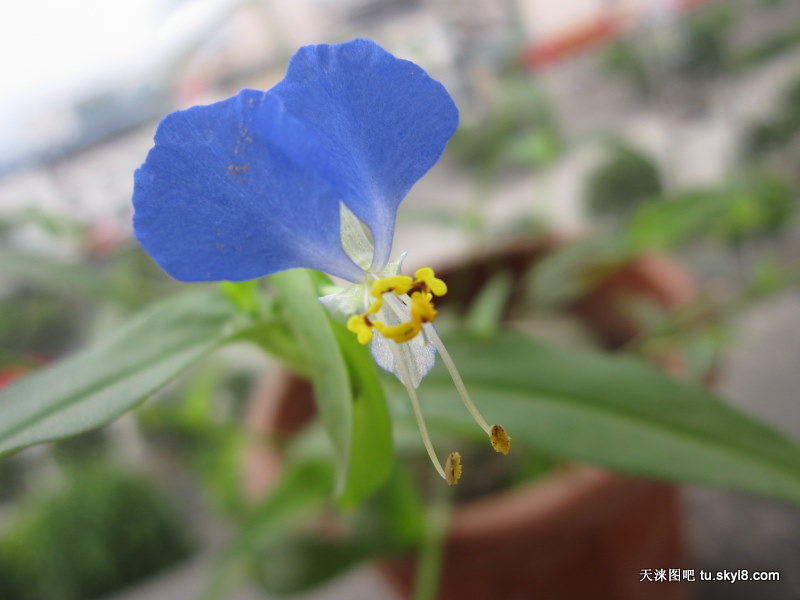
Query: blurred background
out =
(674, 123)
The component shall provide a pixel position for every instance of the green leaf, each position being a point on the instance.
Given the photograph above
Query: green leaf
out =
(671, 220)
(244, 294)
(348, 394)
(372, 452)
(112, 375)
(311, 326)
(611, 411)
(563, 275)
(486, 312)
(55, 275)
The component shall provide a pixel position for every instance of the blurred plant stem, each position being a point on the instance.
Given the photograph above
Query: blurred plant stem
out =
(431, 549)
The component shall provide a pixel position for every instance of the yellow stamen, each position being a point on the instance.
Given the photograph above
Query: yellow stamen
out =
(422, 310)
(362, 327)
(426, 276)
(501, 441)
(423, 287)
(405, 378)
(399, 284)
(452, 468)
(399, 333)
(375, 306)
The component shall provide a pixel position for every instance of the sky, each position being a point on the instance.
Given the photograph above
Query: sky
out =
(54, 50)
(56, 47)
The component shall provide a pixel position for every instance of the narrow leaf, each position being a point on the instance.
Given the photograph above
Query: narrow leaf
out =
(614, 412)
(668, 221)
(372, 452)
(486, 313)
(312, 327)
(111, 376)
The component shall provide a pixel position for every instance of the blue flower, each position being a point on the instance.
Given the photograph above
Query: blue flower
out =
(253, 184)
(308, 174)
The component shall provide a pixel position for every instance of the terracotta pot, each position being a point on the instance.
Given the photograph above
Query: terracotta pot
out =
(579, 532)
(652, 277)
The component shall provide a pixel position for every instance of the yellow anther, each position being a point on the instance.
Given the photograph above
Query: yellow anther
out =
(426, 276)
(399, 333)
(399, 284)
(422, 310)
(422, 288)
(362, 327)
(501, 441)
(375, 306)
(452, 468)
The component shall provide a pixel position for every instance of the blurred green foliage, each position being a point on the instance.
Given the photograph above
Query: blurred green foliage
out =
(771, 47)
(624, 60)
(11, 478)
(776, 132)
(627, 179)
(707, 45)
(750, 206)
(519, 130)
(86, 271)
(32, 323)
(201, 423)
(104, 529)
(705, 50)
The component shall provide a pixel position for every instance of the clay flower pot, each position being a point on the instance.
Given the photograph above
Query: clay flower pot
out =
(579, 532)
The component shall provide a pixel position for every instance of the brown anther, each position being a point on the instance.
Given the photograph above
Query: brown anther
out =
(501, 441)
(418, 286)
(452, 468)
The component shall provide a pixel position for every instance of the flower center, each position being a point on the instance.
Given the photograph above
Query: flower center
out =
(417, 293)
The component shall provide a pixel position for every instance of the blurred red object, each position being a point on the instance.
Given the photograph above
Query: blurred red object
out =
(104, 237)
(576, 39)
(690, 3)
(19, 366)
(591, 33)
(9, 374)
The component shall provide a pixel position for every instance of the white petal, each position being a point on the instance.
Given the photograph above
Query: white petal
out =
(408, 360)
(350, 301)
(393, 266)
(356, 238)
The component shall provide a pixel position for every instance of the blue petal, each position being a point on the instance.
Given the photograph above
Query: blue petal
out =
(217, 199)
(252, 185)
(381, 123)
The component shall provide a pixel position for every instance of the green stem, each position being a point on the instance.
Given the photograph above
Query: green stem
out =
(431, 549)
